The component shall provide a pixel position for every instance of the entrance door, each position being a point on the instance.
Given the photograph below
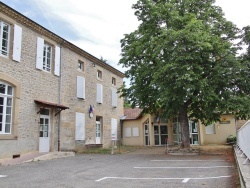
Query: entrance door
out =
(98, 132)
(193, 129)
(176, 131)
(44, 140)
(146, 135)
(160, 134)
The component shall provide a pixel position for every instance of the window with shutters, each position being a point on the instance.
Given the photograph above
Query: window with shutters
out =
(6, 105)
(4, 38)
(99, 94)
(80, 126)
(114, 97)
(44, 56)
(80, 87)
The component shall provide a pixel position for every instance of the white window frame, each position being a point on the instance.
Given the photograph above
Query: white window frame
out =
(47, 48)
(6, 109)
(4, 53)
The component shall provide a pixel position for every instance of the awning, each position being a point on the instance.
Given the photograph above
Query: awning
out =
(45, 104)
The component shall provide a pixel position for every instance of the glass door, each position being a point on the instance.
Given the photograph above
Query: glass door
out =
(146, 134)
(193, 130)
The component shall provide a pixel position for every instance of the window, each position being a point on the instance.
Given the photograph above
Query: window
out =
(44, 57)
(47, 53)
(99, 74)
(99, 96)
(6, 102)
(80, 65)
(80, 126)
(113, 81)
(210, 129)
(4, 38)
(80, 87)
(114, 97)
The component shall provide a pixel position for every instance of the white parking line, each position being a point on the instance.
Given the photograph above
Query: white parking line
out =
(185, 180)
(3, 176)
(184, 160)
(183, 167)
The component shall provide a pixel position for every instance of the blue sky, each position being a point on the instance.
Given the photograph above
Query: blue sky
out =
(97, 26)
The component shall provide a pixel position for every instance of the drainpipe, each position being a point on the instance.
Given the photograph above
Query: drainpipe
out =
(59, 95)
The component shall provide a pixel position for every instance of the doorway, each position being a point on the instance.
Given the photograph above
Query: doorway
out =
(193, 130)
(44, 131)
(146, 134)
(98, 132)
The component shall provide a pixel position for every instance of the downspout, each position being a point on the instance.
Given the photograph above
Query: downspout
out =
(59, 96)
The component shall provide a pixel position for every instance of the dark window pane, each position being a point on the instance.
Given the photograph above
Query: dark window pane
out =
(2, 88)
(8, 110)
(10, 90)
(8, 119)
(0, 126)
(9, 101)
(7, 128)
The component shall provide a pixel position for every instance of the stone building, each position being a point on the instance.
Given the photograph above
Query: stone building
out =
(53, 95)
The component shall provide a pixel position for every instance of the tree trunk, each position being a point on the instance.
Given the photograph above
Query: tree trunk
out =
(183, 117)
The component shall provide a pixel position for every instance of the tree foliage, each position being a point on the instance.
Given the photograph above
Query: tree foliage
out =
(183, 62)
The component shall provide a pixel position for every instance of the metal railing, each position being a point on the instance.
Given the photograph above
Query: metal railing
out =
(243, 140)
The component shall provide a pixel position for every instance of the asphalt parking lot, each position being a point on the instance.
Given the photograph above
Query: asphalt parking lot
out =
(122, 170)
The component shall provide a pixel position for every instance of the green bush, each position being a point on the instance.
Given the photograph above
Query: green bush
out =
(231, 139)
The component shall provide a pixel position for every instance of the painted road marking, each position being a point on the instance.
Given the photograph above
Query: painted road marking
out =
(3, 176)
(184, 180)
(184, 160)
(184, 167)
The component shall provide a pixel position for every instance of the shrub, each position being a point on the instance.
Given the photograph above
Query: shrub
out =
(231, 139)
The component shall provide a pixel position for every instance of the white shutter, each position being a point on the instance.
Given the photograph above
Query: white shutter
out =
(80, 87)
(39, 53)
(113, 129)
(135, 131)
(57, 61)
(80, 126)
(99, 93)
(17, 43)
(114, 97)
(127, 132)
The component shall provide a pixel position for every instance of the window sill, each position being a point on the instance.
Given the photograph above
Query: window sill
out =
(8, 137)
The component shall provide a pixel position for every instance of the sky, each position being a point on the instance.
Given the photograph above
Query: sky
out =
(97, 26)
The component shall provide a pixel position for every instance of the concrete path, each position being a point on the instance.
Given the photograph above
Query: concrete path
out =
(35, 156)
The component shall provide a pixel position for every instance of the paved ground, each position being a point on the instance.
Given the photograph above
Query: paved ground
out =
(141, 168)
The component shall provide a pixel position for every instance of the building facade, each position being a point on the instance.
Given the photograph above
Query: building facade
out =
(53, 95)
(148, 130)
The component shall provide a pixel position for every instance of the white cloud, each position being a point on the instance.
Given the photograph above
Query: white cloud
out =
(102, 24)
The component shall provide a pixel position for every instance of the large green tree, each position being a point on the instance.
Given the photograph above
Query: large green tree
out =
(183, 62)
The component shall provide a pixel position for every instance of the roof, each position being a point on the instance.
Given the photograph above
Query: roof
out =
(132, 113)
(50, 104)
(20, 18)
